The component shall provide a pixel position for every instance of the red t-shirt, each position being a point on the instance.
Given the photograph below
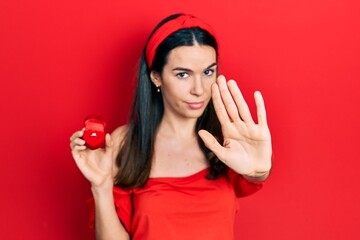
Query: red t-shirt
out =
(183, 208)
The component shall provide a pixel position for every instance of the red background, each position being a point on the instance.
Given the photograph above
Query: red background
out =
(62, 60)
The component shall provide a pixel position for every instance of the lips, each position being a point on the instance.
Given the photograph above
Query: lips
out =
(195, 105)
(94, 133)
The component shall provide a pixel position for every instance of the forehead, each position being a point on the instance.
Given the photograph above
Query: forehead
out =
(192, 57)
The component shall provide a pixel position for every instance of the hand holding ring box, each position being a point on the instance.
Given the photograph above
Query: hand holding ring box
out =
(94, 133)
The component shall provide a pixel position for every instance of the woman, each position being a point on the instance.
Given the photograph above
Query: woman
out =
(165, 174)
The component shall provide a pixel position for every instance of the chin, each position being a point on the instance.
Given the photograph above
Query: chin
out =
(194, 113)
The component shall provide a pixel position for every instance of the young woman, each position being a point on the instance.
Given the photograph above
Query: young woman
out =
(190, 149)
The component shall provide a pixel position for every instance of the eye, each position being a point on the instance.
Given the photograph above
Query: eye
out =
(208, 72)
(182, 75)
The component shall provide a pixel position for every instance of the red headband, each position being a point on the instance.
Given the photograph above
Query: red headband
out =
(183, 21)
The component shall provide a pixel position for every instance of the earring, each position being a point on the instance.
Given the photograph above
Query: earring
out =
(158, 88)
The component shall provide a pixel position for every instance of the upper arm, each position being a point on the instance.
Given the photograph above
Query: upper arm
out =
(117, 136)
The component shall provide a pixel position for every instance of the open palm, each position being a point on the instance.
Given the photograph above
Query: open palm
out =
(247, 145)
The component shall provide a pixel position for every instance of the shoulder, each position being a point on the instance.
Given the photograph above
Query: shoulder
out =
(118, 136)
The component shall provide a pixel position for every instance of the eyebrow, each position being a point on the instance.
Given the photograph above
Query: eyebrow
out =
(189, 70)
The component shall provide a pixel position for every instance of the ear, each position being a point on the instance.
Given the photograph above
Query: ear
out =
(155, 78)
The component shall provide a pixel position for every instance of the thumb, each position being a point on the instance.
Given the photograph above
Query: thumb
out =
(108, 142)
(212, 144)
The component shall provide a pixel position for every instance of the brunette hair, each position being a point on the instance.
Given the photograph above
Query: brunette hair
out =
(135, 155)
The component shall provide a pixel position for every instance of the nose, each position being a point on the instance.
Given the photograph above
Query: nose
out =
(198, 87)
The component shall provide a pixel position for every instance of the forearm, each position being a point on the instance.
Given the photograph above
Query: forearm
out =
(107, 223)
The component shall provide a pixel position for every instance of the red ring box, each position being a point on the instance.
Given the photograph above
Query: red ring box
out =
(94, 133)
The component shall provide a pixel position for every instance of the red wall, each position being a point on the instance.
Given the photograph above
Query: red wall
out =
(62, 60)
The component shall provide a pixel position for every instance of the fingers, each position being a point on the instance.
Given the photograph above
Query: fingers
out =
(223, 101)
(79, 148)
(76, 140)
(260, 108)
(77, 134)
(76, 149)
(218, 105)
(241, 104)
(230, 105)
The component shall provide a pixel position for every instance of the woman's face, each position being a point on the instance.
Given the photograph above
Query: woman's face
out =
(186, 80)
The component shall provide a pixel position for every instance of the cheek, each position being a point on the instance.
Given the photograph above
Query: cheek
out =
(209, 83)
(175, 88)
(173, 95)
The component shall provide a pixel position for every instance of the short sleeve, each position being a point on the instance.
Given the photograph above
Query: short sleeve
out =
(123, 207)
(242, 186)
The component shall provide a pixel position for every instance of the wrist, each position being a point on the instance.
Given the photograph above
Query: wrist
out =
(104, 187)
(257, 177)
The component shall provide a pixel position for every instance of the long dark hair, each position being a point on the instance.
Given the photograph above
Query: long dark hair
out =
(135, 155)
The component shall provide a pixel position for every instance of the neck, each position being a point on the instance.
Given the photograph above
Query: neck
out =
(179, 128)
